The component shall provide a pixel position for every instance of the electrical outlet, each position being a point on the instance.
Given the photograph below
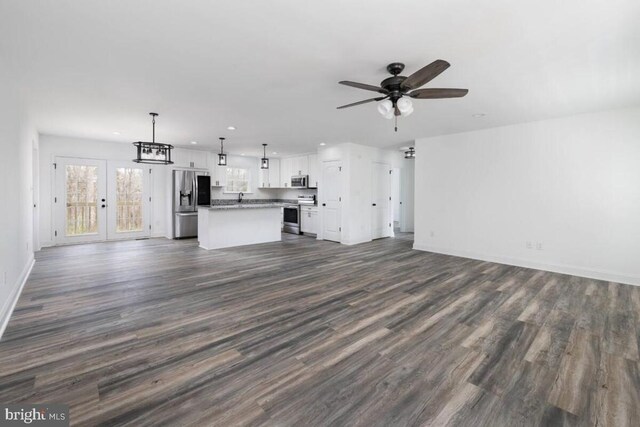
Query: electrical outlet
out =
(529, 245)
(539, 246)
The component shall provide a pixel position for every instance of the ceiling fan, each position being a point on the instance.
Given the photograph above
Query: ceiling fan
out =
(396, 90)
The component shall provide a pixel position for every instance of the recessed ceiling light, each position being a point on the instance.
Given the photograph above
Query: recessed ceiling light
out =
(231, 128)
(116, 133)
(194, 142)
(323, 143)
(478, 115)
(242, 154)
(275, 152)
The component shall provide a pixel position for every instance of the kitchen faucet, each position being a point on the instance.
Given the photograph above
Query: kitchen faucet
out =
(240, 194)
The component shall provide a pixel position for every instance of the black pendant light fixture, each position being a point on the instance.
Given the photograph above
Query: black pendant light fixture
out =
(222, 157)
(264, 161)
(410, 154)
(153, 152)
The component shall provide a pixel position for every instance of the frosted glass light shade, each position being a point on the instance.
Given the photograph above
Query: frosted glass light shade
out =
(404, 105)
(384, 107)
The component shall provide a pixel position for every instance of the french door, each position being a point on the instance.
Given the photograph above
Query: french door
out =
(128, 200)
(81, 200)
(98, 200)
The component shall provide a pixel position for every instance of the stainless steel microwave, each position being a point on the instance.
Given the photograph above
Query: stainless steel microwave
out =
(300, 181)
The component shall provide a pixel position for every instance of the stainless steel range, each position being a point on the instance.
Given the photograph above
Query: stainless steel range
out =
(291, 214)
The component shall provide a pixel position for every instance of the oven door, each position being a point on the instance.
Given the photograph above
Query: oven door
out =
(291, 219)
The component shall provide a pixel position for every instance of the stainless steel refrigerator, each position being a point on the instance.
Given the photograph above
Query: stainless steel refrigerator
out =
(190, 190)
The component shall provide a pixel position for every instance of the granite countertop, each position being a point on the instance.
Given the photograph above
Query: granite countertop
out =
(244, 206)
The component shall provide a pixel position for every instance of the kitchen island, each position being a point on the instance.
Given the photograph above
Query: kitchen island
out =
(225, 226)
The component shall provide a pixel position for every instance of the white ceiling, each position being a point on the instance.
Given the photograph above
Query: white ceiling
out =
(271, 68)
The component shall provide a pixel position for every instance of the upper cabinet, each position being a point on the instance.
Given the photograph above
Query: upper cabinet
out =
(299, 165)
(184, 158)
(269, 178)
(314, 171)
(274, 173)
(286, 172)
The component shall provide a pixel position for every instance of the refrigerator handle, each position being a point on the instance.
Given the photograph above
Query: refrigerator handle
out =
(195, 192)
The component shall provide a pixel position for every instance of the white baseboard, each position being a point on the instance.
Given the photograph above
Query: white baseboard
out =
(355, 242)
(518, 262)
(10, 304)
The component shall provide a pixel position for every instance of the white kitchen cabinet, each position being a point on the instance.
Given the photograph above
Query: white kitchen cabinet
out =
(184, 158)
(269, 178)
(180, 157)
(198, 159)
(274, 173)
(286, 168)
(218, 175)
(300, 165)
(314, 171)
(263, 178)
(309, 219)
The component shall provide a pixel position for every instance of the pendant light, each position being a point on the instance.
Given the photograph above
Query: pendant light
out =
(153, 152)
(222, 158)
(411, 154)
(264, 161)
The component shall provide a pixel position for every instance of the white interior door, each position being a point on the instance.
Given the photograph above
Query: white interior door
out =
(128, 203)
(381, 221)
(80, 200)
(331, 212)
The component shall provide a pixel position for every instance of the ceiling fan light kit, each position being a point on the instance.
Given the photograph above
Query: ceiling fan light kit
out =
(410, 154)
(397, 89)
(153, 152)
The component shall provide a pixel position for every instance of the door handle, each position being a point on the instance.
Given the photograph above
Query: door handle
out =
(104, 206)
(373, 204)
(103, 200)
(324, 204)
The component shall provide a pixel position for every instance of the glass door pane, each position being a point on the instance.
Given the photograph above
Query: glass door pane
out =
(129, 206)
(81, 199)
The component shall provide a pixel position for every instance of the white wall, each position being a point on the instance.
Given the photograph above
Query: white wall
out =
(17, 138)
(407, 183)
(53, 146)
(570, 186)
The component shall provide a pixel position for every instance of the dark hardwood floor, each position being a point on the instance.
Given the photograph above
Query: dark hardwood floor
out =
(310, 333)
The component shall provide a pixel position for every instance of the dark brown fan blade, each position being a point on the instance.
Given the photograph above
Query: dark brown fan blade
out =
(364, 86)
(425, 74)
(362, 102)
(437, 93)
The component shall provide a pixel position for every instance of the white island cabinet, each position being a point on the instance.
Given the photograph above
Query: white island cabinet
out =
(226, 226)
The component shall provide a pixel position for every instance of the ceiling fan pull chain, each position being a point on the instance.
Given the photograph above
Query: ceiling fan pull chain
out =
(396, 119)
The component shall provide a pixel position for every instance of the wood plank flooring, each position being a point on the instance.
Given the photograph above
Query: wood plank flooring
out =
(311, 333)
